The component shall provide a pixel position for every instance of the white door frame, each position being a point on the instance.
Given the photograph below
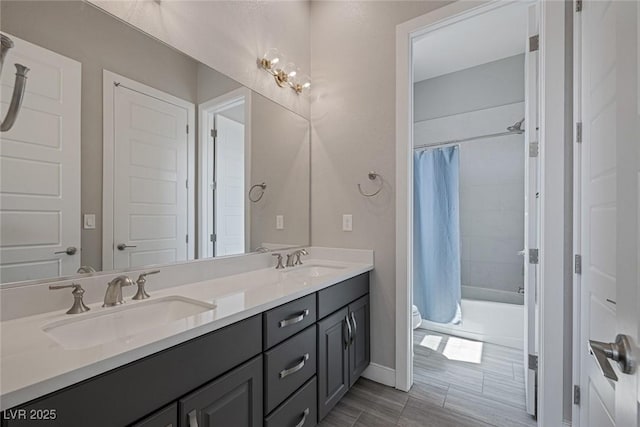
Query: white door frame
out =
(215, 105)
(109, 80)
(552, 124)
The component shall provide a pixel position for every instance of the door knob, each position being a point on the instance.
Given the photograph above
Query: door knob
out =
(122, 246)
(618, 351)
(71, 250)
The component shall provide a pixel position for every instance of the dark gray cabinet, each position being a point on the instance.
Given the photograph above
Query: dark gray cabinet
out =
(235, 399)
(333, 360)
(359, 348)
(165, 417)
(343, 340)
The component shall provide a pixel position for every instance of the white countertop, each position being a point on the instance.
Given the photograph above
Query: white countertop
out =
(32, 364)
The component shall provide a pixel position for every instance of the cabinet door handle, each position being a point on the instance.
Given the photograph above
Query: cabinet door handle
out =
(296, 368)
(304, 418)
(295, 319)
(193, 419)
(355, 327)
(347, 338)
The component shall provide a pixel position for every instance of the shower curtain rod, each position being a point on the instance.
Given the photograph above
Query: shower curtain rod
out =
(473, 138)
(515, 129)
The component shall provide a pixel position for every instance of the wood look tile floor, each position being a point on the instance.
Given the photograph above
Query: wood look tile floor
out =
(457, 383)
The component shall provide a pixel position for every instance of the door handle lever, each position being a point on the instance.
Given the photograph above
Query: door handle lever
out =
(618, 351)
(71, 250)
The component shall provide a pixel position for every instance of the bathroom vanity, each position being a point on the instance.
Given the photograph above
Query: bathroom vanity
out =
(291, 356)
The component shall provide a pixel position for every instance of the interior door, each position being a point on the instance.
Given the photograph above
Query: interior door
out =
(609, 208)
(531, 213)
(229, 194)
(150, 180)
(40, 167)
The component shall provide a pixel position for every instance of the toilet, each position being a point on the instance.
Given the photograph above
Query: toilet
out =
(417, 317)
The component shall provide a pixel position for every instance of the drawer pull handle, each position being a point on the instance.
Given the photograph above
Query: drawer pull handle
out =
(295, 319)
(304, 418)
(355, 327)
(294, 369)
(193, 419)
(348, 338)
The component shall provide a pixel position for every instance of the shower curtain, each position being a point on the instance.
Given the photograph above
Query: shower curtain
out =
(436, 234)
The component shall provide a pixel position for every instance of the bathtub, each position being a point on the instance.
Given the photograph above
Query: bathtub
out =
(494, 322)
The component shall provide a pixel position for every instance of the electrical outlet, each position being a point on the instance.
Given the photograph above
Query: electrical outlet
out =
(347, 222)
(279, 222)
(89, 221)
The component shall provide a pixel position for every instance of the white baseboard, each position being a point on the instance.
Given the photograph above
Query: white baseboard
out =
(380, 374)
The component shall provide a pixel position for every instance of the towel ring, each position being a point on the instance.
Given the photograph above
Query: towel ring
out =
(263, 186)
(372, 177)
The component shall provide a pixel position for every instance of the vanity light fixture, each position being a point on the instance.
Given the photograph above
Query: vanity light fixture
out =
(285, 73)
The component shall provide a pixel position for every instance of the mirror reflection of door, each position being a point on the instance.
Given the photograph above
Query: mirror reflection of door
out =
(229, 177)
(225, 157)
(150, 177)
(40, 168)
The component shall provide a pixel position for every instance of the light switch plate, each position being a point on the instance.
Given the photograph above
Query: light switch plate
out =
(347, 222)
(279, 222)
(89, 221)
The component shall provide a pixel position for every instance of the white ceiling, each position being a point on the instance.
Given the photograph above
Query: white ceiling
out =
(494, 35)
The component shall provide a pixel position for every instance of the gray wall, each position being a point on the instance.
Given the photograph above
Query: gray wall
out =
(352, 114)
(488, 85)
(491, 170)
(84, 33)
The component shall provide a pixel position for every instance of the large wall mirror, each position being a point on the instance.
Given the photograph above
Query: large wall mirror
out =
(128, 153)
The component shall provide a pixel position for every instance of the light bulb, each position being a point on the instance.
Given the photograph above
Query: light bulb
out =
(271, 58)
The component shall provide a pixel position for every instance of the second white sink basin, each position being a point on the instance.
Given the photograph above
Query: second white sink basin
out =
(316, 270)
(122, 322)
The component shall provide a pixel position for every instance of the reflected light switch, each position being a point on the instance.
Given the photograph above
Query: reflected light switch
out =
(89, 221)
(279, 222)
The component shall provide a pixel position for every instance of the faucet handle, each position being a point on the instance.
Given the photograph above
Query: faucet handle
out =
(298, 253)
(279, 266)
(78, 304)
(142, 280)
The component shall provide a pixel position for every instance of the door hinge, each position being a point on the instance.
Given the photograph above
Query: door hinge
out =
(534, 256)
(534, 149)
(213, 186)
(213, 237)
(186, 238)
(576, 394)
(214, 133)
(579, 132)
(534, 43)
(186, 183)
(578, 5)
(577, 262)
(533, 362)
(187, 128)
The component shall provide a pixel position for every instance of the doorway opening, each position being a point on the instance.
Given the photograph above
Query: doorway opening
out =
(225, 153)
(475, 210)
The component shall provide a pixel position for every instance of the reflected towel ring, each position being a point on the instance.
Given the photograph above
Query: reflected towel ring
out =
(263, 186)
(372, 177)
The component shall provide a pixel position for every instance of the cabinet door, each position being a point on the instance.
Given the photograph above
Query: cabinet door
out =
(234, 399)
(333, 361)
(359, 353)
(166, 417)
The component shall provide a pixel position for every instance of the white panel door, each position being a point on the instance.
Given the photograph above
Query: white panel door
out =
(40, 168)
(229, 193)
(609, 188)
(150, 180)
(531, 212)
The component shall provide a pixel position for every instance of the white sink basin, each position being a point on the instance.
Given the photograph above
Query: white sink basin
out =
(122, 322)
(316, 270)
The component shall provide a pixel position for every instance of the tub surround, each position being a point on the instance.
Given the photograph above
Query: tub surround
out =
(34, 364)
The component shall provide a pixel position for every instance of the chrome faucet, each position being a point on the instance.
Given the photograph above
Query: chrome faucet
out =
(299, 253)
(113, 296)
(290, 258)
(279, 265)
(78, 304)
(142, 280)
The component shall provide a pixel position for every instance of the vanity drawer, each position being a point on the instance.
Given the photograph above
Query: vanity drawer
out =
(337, 296)
(288, 366)
(299, 410)
(287, 320)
